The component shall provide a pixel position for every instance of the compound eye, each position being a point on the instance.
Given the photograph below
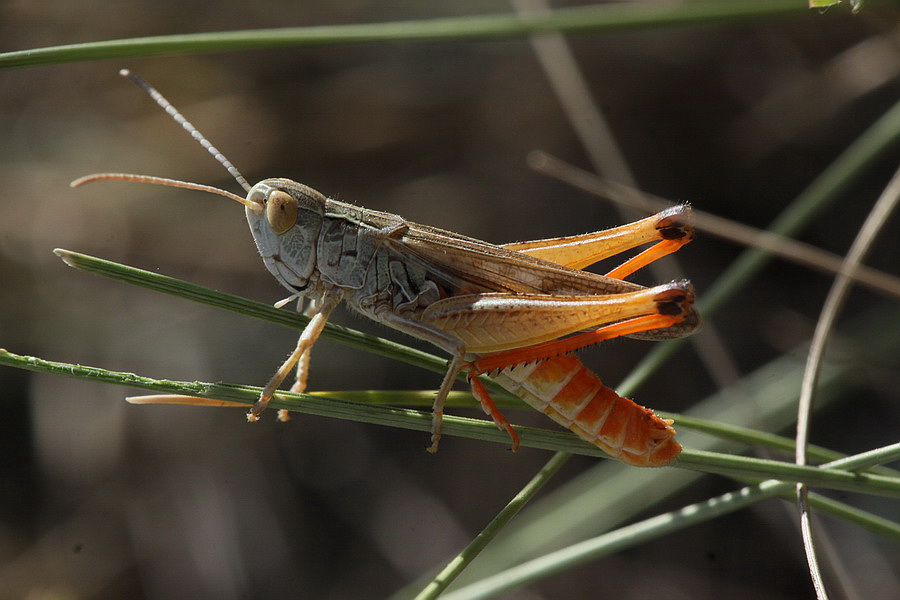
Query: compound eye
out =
(281, 211)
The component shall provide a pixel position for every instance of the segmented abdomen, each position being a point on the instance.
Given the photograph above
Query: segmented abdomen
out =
(565, 390)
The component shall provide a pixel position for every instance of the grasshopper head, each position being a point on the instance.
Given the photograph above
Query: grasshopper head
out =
(285, 218)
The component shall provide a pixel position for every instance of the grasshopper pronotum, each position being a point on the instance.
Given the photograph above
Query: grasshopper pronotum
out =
(505, 310)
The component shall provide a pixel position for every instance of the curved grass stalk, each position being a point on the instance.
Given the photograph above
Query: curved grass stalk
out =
(834, 303)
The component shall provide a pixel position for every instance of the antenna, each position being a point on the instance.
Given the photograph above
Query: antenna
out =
(254, 206)
(195, 133)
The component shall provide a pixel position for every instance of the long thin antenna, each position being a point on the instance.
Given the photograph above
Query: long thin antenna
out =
(195, 133)
(254, 206)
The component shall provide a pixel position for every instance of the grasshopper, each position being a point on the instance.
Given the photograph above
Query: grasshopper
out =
(515, 310)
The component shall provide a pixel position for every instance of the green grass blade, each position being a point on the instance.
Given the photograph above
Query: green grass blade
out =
(437, 586)
(874, 523)
(608, 543)
(587, 18)
(733, 466)
(327, 406)
(250, 308)
(722, 431)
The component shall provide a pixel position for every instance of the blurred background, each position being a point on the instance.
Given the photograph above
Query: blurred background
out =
(100, 499)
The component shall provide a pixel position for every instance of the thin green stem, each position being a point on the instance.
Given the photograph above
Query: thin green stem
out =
(251, 308)
(604, 17)
(722, 431)
(436, 587)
